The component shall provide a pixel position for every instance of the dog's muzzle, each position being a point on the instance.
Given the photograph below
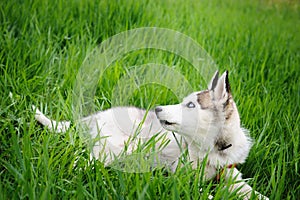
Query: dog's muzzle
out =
(163, 122)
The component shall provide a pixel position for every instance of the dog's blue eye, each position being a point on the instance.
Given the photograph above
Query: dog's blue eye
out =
(190, 105)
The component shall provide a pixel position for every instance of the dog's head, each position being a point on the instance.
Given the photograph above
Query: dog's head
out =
(201, 114)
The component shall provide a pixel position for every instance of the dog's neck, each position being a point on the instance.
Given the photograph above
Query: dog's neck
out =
(200, 147)
(231, 146)
(221, 144)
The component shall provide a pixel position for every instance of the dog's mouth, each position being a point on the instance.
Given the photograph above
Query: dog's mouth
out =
(167, 123)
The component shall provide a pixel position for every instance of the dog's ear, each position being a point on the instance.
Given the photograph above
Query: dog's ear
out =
(222, 88)
(213, 82)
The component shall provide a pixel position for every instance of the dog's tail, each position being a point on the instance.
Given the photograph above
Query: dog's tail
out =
(59, 127)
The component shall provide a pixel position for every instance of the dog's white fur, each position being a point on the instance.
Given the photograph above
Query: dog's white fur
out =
(207, 121)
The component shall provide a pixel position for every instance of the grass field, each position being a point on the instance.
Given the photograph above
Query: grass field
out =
(44, 43)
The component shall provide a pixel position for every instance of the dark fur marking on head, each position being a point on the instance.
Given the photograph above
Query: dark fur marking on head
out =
(228, 107)
(227, 102)
(204, 99)
(228, 115)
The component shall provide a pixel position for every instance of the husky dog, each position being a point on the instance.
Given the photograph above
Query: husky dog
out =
(207, 122)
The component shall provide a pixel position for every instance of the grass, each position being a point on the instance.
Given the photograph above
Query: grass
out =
(44, 43)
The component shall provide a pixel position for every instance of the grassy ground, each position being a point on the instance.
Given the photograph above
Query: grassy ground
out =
(43, 44)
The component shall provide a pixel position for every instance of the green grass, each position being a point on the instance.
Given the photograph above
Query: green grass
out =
(44, 43)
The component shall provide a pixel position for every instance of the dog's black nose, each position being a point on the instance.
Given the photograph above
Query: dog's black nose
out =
(158, 109)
